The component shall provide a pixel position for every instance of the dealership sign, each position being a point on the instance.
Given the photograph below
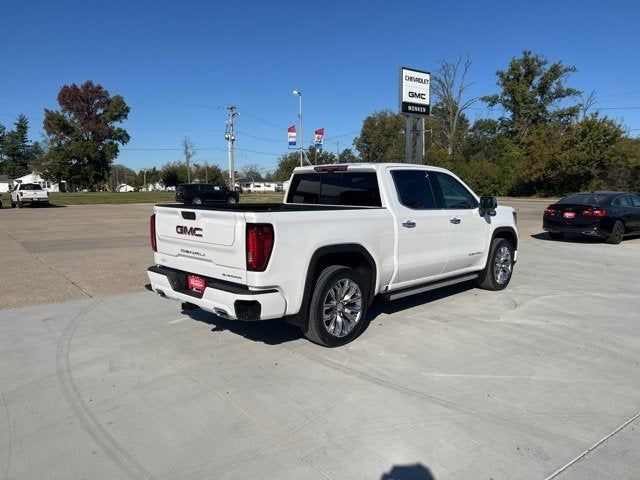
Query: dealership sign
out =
(414, 91)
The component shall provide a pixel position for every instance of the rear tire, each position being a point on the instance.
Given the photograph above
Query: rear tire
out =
(338, 309)
(13, 205)
(556, 235)
(19, 204)
(499, 269)
(231, 200)
(617, 233)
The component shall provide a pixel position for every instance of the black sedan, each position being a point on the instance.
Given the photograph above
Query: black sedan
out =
(610, 215)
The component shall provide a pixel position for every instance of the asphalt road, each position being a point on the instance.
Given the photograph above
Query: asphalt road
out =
(454, 384)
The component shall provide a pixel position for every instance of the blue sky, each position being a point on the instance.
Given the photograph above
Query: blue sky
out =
(177, 63)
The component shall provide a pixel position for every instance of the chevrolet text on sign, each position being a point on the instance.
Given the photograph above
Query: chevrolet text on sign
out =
(414, 91)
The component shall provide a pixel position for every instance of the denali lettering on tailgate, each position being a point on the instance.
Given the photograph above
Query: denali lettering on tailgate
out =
(192, 231)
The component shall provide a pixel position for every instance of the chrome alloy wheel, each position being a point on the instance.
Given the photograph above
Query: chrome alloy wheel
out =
(342, 307)
(502, 265)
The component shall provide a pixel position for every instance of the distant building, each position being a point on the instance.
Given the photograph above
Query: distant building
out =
(35, 177)
(5, 183)
(259, 185)
(123, 187)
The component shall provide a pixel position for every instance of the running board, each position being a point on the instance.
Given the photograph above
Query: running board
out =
(429, 286)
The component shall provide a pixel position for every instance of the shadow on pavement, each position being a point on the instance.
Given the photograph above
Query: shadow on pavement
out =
(380, 306)
(568, 238)
(271, 332)
(408, 472)
(275, 332)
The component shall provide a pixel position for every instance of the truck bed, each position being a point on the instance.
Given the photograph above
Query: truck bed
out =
(264, 207)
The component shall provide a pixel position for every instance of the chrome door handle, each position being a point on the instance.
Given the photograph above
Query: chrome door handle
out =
(455, 220)
(409, 224)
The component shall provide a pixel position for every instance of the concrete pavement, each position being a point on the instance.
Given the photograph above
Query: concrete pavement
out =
(455, 384)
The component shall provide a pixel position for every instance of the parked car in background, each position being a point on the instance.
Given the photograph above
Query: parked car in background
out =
(29, 193)
(610, 215)
(199, 193)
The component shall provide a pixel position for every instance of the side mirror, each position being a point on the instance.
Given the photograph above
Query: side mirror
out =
(488, 205)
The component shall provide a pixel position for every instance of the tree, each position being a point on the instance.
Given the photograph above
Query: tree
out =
(83, 135)
(320, 157)
(18, 154)
(174, 173)
(250, 171)
(448, 86)
(381, 138)
(205, 173)
(121, 174)
(286, 164)
(531, 91)
(347, 156)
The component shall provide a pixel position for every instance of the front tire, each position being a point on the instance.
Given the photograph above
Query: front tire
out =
(231, 200)
(617, 233)
(338, 307)
(196, 201)
(19, 204)
(497, 273)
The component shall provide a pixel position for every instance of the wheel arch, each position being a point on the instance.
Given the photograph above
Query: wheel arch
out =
(508, 233)
(351, 255)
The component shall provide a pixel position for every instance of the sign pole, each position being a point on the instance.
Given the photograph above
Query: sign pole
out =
(408, 154)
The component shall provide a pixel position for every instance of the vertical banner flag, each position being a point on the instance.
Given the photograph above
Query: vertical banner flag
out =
(319, 139)
(291, 133)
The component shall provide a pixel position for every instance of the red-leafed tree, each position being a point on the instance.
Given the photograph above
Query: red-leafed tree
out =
(84, 136)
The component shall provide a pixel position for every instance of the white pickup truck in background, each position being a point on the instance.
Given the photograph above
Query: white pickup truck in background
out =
(344, 235)
(29, 193)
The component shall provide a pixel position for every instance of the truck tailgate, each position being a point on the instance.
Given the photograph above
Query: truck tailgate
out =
(206, 242)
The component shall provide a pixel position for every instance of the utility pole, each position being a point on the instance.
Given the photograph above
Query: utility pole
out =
(229, 135)
(338, 147)
(298, 93)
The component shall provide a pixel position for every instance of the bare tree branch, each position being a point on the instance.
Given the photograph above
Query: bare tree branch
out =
(449, 85)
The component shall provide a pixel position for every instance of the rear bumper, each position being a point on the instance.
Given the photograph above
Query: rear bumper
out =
(225, 299)
(34, 200)
(560, 226)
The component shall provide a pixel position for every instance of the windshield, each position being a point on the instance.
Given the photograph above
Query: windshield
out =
(30, 186)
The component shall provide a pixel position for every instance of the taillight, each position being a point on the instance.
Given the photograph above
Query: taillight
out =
(259, 246)
(152, 232)
(331, 168)
(595, 212)
(550, 211)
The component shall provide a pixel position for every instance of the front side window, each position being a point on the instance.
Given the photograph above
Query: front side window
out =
(454, 194)
(414, 189)
(635, 199)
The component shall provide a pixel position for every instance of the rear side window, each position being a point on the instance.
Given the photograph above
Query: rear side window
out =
(414, 189)
(358, 189)
(454, 194)
(622, 201)
(635, 199)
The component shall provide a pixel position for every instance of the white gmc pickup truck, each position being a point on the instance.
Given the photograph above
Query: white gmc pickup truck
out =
(29, 193)
(345, 234)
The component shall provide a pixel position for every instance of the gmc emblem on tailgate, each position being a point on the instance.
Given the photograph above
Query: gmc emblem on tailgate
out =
(192, 231)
